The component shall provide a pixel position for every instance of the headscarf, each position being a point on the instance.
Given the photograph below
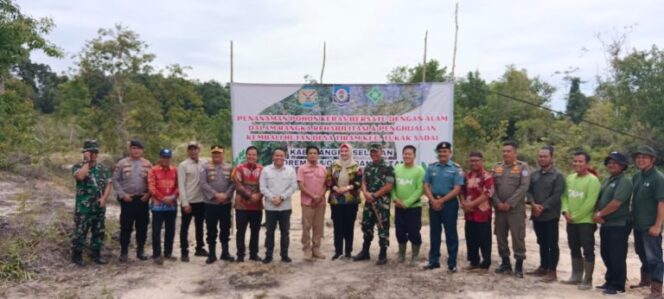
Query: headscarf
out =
(344, 176)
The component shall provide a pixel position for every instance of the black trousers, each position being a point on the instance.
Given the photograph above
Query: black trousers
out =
(582, 236)
(218, 221)
(198, 213)
(547, 239)
(242, 220)
(159, 218)
(343, 219)
(408, 223)
(478, 240)
(274, 218)
(613, 249)
(133, 214)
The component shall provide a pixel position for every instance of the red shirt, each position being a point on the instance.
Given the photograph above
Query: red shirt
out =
(478, 183)
(162, 182)
(246, 183)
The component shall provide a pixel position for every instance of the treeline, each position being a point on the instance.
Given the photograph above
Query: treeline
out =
(114, 92)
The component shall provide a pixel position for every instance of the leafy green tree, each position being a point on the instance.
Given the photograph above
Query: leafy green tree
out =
(215, 97)
(577, 102)
(404, 74)
(44, 84)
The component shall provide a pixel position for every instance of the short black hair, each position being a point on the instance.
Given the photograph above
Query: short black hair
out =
(310, 147)
(409, 147)
(283, 149)
(251, 147)
(511, 143)
(476, 154)
(548, 148)
(584, 154)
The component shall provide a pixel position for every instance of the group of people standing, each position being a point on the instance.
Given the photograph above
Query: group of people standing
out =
(208, 191)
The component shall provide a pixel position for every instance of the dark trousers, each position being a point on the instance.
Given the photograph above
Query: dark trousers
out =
(447, 218)
(408, 223)
(159, 218)
(133, 214)
(343, 219)
(547, 239)
(582, 236)
(478, 240)
(243, 219)
(274, 218)
(198, 213)
(218, 221)
(613, 249)
(649, 249)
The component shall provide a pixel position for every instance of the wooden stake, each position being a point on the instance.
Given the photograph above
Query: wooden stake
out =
(424, 61)
(456, 34)
(231, 61)
(322, 70)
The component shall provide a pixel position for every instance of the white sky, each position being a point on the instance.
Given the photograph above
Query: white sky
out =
(281, 41)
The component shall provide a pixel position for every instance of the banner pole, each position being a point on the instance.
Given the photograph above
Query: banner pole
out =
(424, 61)
(322, 70)
(231, 61)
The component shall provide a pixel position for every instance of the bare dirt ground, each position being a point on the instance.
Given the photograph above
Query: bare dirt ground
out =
(54, 277)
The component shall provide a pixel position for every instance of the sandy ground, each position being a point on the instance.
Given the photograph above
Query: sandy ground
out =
(300, 279)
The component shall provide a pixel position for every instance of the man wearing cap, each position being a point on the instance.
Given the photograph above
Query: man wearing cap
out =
(248, 204)
(476, 205)
(546, 188)
(511, 180)
(278, 182)
(612, 213)
(218, 189)
(311, 180)
(648, 217)
(93, 186)
(130, 181)
(442, 184)
(377, 182)
(163, 186)
(191, 199)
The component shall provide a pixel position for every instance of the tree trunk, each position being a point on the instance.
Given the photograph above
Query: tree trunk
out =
(2, 85)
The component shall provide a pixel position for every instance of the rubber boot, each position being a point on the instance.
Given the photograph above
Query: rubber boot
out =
(364, 253)
(551, 276)
(645, 281)
(98, 258)
(212, 255)
(140, 252)
(588, 268)
(382, 256)
(415, 255)
(225, 254)
(402, 253)
(655, 290)
(518, 268)
(577, 272)
(505, 267)
(77, 258)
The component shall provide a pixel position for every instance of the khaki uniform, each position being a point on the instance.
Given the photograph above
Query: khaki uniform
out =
(511, 183)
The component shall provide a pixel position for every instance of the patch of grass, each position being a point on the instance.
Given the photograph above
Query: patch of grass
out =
(12, 265)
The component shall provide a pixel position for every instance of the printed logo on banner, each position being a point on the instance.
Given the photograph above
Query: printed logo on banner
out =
(308, 97)
(341, 95)
(375, 95)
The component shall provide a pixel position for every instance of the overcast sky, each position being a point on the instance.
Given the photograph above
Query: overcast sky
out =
(281, 41)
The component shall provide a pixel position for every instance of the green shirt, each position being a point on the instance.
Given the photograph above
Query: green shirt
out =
(616, 188)
(580, 197)
(648, 192)
(408, 186)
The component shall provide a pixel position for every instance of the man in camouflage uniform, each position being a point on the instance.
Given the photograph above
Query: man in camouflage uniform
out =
(93, 186)
(377, 184)
(511, 180)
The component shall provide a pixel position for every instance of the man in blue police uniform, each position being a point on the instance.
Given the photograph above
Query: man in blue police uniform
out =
(442, 184)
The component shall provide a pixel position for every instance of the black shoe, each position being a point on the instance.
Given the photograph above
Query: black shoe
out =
(211, 259)
(99, 260)
(170, 257)
(201, 252)
(362, 256)
(227, 257)
(123, 258)
(141, 256)
(452, 270)
(336, 256)
(267, 260)
(603, 286)
(612, 291)
(518, 268)
(505, 267)
(255, 258)
(382, 256)
(381, 262)
(431, 266)
(240, 259)
(77, 258)
(348, 256)
(184, 258)
(285, 259)
(158, 260)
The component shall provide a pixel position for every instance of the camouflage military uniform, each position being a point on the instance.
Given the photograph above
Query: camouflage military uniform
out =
(375, 177)
(88, 215)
